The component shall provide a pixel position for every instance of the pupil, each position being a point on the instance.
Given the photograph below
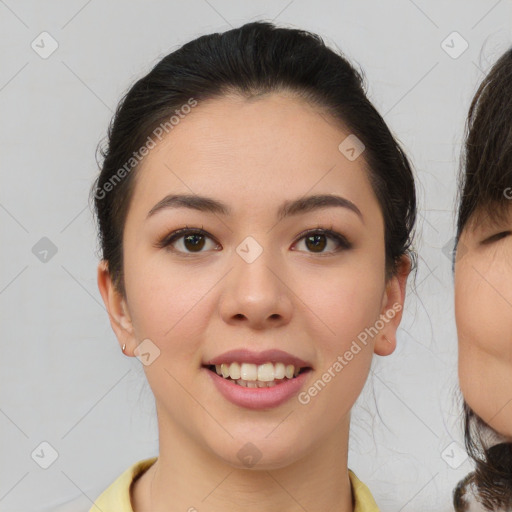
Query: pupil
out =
(195, 244)
(316, 237)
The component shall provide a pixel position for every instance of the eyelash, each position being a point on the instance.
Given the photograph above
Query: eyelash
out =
(168, 240)
(496, 237)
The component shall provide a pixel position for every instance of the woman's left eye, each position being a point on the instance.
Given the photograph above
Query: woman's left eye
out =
(193, 240)
(315, 239)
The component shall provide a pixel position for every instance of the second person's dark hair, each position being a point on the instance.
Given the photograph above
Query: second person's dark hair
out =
(485, 174)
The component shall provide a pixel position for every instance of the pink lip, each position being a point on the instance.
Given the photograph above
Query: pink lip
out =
(258, 398)
(267, 356)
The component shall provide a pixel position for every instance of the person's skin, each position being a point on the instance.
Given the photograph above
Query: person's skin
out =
(483, 312)
(253, 156)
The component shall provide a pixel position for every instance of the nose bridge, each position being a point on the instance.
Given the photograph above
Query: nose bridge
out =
(255, 288)
(253, 260)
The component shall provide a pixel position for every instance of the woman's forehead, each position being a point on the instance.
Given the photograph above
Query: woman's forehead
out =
(253, 160)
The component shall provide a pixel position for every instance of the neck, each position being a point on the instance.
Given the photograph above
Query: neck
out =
(189, 477)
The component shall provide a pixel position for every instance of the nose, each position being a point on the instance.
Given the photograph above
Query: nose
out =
(256, 293)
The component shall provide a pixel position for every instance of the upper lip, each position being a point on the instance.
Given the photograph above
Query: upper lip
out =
(247, 356)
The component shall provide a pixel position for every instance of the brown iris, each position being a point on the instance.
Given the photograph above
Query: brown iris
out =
(316, 243)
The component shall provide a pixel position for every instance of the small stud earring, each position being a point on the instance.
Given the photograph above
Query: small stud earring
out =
(124, 346)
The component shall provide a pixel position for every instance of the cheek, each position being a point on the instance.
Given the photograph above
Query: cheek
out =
(337, 314)
(349, 303)
(167, 303)
(484, 330)
(339, 307)
(483, 313)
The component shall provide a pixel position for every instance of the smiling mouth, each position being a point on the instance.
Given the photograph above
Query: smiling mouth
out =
(252, 381)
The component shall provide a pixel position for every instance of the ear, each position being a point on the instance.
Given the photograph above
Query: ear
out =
(392, 308)
(117, 309)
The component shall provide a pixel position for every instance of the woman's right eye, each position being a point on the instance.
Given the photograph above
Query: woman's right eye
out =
(495, 237)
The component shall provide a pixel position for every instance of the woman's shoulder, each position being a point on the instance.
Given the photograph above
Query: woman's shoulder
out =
(116, 497)
(363, 499)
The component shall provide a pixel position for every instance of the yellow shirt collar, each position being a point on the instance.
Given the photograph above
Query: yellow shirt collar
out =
(116, 498)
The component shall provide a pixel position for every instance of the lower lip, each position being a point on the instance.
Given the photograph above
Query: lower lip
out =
(258, 398)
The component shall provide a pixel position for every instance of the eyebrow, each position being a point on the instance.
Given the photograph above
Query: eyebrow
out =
(287, 209)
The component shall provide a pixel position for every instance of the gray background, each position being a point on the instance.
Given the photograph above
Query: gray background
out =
(64, 380)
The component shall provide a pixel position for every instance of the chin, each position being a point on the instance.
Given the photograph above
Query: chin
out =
(259, 454)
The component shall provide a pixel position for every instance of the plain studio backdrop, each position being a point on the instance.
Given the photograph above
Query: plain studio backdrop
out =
(75, 412)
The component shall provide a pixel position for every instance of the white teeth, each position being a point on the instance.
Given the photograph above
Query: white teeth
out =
(224, 368)
(234, 371)
(266, 372)
(248, 373)
(279, 372)
(254, 384)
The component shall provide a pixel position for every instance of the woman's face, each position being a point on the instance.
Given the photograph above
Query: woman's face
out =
(483, 309)
(254, 281)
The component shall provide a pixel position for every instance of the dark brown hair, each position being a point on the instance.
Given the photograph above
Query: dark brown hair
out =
(485, 174)
(254, 59)
(485, 191)
(491, 481)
